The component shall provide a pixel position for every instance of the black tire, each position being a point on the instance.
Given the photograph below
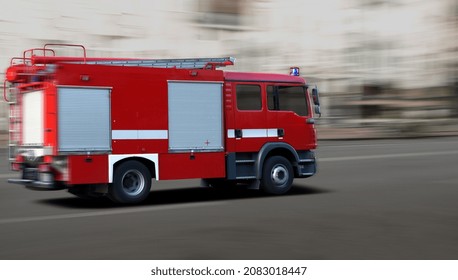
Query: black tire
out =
(85, 192)
(131, 183)
(277, 175)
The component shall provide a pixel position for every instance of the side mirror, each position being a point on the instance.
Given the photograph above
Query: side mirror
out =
(316, 101)
(318, 110)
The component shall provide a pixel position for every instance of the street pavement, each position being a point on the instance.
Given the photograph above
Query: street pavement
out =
(371, 199)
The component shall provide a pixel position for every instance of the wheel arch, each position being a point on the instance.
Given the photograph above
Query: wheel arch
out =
(276, 149)
(149, 160)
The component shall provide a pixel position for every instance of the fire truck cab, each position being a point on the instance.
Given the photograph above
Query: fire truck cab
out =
(109, 126)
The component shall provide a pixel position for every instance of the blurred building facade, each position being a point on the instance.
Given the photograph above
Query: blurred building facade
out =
(372, 59)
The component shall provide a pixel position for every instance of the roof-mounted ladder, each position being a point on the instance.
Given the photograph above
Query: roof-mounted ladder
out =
(49, 57)
(187, 63)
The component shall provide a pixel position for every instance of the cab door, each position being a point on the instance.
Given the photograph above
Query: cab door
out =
(288, 107)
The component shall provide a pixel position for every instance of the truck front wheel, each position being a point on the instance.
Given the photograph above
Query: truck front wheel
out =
(131, 183)
(277, 175)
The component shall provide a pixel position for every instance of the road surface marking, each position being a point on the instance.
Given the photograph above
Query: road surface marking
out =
(398, 155)
(109, 212)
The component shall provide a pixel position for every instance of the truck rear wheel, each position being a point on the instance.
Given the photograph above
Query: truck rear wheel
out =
(131, 183)
(277, 175)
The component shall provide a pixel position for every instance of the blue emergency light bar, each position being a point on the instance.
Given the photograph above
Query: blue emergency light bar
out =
(294, 71)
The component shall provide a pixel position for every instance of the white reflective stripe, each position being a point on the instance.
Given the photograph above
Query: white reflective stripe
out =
(254, 133)
(139, 134)
(272, 132)
(112, 159)
(153, 134)
(231, 133)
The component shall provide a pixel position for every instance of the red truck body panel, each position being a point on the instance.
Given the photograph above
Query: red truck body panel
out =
(143, 117)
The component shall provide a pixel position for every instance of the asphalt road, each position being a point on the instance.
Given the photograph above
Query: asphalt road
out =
(379, 199)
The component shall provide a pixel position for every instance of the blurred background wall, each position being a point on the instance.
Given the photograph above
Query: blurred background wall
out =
(390, 65)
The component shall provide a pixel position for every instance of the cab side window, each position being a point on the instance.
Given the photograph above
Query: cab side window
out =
(287, 98)
(249, 97)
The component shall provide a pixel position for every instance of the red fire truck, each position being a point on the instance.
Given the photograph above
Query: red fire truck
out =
(109, 126)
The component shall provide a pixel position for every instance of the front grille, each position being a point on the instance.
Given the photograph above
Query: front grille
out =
(30, 174)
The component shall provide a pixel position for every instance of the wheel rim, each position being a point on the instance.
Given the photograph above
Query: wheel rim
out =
(133, 182)
(279, 175)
